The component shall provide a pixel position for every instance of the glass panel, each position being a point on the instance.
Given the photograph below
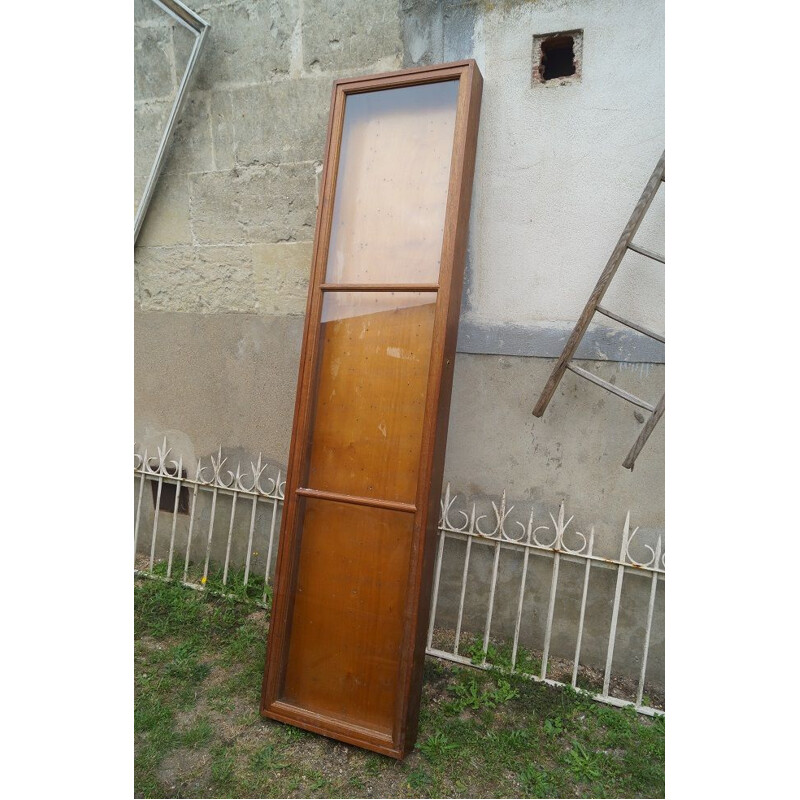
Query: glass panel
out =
(347, 621)
(391, 191)
(161, 53)
(372, 380)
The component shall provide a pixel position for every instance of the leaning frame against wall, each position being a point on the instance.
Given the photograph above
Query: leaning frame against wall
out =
(353, 575)
(197, 26)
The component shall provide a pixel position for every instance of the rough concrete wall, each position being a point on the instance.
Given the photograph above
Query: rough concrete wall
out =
(223, 259)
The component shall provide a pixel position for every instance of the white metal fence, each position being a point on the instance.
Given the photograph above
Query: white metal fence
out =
(245, 504)
(252, 486)
(528, 539)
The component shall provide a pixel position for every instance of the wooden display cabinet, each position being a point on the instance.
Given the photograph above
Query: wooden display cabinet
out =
(353, 577)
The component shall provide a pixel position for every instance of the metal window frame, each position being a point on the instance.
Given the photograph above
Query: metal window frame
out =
(199, 27)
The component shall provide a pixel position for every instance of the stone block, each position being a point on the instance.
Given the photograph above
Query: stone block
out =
(258, 204)
(274, 123)
(281, 272)
(223, 129)
(167, 220)
(351, 34)
(214, 202)
(277, 203)
(149, 119)
(158, 271)
(225, 279)
(137, 288)
(248, 42)
(203, 280)
(190, 149)
(152, 60)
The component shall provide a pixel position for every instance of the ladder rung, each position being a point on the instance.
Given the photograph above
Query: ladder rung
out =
(631, 398)
(648, 253)
(646, 331)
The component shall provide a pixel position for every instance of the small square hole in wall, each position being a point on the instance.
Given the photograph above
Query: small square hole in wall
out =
(557, 58)
(168, 493)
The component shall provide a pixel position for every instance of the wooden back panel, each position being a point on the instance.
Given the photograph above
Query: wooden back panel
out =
(352, 586)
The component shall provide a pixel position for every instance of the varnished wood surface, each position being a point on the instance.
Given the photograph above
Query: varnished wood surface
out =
(379, 287)
(366, 433)
(378, 718)
(347, 625)
(445, 335)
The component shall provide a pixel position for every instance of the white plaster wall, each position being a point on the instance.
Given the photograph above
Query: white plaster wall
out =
(560, 168)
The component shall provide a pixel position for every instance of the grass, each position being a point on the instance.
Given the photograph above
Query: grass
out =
(199, 660)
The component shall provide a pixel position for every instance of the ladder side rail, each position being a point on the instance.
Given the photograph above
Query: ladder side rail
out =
(644, 435)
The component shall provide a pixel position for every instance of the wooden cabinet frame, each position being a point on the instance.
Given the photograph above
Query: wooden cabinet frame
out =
(425, 508)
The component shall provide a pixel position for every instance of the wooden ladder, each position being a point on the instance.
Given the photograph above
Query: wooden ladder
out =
(593, 306)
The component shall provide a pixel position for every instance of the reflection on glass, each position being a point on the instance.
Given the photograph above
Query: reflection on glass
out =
(391, 190)
(347, 620)
(162, 48)
(372, 381)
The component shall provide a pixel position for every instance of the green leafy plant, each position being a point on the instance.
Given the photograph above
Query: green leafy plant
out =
(318, 780)
(535, 782)
(527, 663)
(583, 765)
(470, 695)
(503, 693)
(518, 737)
(475, 652)
(235, 587)
(267, 759)
(553, 726)
(499, 657)
(437, 747)
(418, 779)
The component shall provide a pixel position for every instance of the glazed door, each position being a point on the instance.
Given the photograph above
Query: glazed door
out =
(352, 582)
